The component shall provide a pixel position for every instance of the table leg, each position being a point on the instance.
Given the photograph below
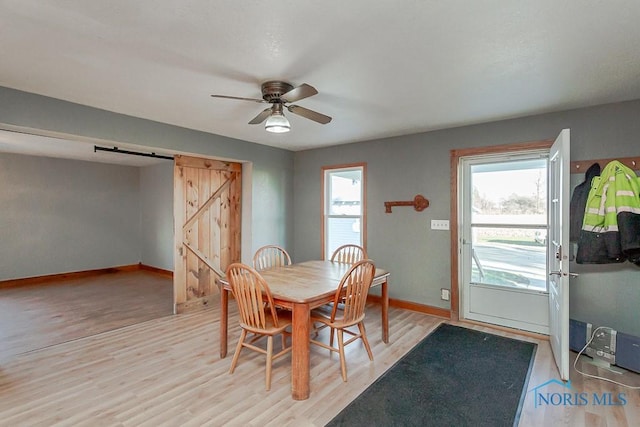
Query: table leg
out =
(300, 352)
(224, 318)
(385, 313)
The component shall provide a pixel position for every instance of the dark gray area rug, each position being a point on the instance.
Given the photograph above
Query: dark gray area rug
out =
(454, 377)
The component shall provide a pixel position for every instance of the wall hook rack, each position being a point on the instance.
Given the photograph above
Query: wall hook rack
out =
(419, 203)
(579, 166)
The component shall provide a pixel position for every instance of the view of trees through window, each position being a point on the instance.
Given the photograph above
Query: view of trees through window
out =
(509, 223)
(515, 203)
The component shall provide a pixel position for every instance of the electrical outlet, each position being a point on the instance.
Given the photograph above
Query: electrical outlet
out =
(439, 224)
(444, 294)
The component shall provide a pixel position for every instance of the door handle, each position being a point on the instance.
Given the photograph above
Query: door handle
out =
(560, 273)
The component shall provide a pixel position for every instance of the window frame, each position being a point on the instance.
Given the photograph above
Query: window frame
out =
(325, 173)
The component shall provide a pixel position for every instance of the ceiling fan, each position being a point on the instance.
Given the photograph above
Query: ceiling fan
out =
(280, 95)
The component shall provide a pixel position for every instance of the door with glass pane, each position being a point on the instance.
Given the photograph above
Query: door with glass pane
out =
(504, 235)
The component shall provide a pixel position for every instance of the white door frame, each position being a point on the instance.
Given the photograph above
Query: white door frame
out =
(526, 309)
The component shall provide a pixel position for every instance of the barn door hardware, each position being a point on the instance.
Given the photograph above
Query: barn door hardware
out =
(133, 153)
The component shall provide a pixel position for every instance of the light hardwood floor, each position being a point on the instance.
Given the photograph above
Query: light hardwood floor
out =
(51, 312)
(168, 371)
(544, 369)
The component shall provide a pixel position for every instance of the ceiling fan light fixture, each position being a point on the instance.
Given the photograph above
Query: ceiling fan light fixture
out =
(280, 95)
(277, 123)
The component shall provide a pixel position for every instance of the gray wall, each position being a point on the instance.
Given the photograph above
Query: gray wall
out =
(272, 167)
(270, 185)
(156, 215)
(418, 258)
(398, 168)
(61, 216)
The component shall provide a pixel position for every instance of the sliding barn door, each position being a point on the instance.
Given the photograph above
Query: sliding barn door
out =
(207, 227)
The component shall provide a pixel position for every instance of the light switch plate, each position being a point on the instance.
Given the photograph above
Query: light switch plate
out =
(439, 224)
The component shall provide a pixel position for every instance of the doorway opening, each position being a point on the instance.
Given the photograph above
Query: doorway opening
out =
(499, 242)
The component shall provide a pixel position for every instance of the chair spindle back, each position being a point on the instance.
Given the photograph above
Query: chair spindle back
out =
(352, 292)
(349, 254)
(270, 256)
(251, 292)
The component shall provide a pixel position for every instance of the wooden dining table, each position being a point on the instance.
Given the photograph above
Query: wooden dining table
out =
(300, 288)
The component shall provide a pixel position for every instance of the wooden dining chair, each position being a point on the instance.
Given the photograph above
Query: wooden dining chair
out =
(258, 315)
(349, 254)
(352, 295)
(270, 256)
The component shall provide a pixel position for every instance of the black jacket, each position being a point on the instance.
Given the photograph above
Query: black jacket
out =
(579, 201)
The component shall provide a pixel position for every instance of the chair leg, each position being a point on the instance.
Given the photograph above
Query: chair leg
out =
(363, 335)
(243, 335)
(269, 360)
(343, 359)
(331, 337)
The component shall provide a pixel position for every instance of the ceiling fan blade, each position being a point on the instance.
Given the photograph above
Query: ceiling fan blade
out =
(298, 93)
(238, 98)
(309, 114)
(261, 117)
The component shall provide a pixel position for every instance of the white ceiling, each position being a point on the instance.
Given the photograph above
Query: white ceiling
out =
(382, 68)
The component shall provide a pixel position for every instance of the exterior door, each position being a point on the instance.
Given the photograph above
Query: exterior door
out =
(558, 251)
(504, 218)
(206, 227)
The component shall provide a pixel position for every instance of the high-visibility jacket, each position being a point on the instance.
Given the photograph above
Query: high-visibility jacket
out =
(611, 226)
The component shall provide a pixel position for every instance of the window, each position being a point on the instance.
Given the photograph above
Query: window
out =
(506, 221)
(343, 207)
